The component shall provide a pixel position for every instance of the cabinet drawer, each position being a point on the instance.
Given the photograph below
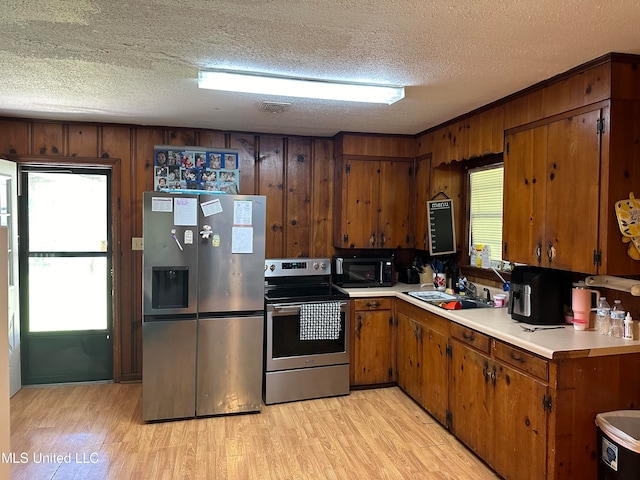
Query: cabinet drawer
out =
(521, 359)
(372, 304)
(471, 337)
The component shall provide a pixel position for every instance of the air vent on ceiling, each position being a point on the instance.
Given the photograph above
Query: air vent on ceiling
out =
(274, 107)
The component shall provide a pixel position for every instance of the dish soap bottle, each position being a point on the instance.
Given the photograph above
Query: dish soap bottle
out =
(628, 327)
(617, 319)
(603, 316)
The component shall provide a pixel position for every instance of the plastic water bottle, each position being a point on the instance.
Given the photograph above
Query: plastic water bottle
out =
(618, 313)
(603, 316)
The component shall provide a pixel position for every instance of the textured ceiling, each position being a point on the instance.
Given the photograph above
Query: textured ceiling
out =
(137, 61)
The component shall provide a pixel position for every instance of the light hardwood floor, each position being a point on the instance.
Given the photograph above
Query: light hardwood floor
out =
(98, 432)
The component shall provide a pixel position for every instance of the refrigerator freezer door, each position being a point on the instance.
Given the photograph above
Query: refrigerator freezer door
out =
(168, 369)
(229, 365)
(231, 257)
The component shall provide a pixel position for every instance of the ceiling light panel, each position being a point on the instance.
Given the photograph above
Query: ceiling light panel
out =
(298, 87)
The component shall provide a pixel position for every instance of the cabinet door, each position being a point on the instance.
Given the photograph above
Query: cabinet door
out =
(434, 374)
(420, 231)
(360, 224)
(471, 399)
(373, 353)
(524, 198)
(395, 228)
(520, 423)
(409, 354)
(573, 193)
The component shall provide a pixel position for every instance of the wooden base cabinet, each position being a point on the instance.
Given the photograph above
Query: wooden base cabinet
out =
(498, 411)
(373, 342)
(527, 416)
(422, 358)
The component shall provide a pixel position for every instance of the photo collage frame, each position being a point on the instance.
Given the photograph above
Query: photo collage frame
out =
(195, 168)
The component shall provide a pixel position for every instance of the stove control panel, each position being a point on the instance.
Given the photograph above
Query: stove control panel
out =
(295, 267)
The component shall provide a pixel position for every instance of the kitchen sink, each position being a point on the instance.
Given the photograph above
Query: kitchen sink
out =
(448, 301)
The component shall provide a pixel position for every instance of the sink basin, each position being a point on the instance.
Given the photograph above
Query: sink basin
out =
(433, 296)
(449, 302)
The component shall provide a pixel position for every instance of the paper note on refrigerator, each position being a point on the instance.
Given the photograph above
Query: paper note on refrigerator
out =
(242, 212)
(185, 211)
(242, 240)
(211, 207)
(161, 204)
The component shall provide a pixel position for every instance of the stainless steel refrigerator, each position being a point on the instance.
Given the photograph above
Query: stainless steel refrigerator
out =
(203, 304)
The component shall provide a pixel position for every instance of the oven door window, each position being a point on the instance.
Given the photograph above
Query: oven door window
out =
(287, 343)
(362, 273)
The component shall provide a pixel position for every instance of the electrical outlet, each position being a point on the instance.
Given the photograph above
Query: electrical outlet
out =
(136, 243)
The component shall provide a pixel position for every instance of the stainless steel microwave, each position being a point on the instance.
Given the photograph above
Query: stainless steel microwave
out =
(353, 272)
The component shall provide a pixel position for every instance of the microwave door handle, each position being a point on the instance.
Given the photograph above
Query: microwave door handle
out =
(380, 277)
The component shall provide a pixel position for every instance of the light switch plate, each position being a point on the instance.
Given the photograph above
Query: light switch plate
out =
(136, 243)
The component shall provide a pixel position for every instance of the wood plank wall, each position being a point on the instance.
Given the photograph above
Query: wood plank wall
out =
(294, 173)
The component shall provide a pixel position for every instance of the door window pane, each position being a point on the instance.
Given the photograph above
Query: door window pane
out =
(67, 213)
(67, 293)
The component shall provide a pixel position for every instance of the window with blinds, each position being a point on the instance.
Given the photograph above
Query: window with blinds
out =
(486, 184)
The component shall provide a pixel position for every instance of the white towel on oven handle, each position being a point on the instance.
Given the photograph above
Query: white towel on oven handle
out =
(320, 321)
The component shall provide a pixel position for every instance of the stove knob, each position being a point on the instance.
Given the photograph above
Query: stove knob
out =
(272, 267)
(323, 266)
(265, 267)
(315, 265)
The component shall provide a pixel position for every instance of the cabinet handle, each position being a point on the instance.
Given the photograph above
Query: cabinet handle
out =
(517, 358)
(538, 252)
(359, 327)
(493, 376)
(551, 253)
(372, 304)
(383, 239)
(372, 239)
(485, 371)
(468, 337)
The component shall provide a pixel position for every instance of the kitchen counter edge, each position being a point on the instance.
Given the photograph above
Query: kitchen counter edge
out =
(497, 323)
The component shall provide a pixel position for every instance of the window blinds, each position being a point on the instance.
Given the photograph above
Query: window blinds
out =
(486, 186)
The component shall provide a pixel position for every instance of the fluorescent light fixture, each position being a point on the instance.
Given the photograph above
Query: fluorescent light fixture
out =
(298, 87)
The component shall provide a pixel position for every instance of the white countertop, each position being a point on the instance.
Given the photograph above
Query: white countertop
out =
(496, 322)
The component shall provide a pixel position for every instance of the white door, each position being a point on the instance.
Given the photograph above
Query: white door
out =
(9, 219)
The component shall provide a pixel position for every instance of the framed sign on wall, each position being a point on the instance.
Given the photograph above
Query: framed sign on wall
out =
(442, 231)
(213, 170)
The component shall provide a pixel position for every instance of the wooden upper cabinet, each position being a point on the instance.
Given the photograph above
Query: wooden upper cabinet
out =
(394, 204)
(573, 182)
(372, 204)
(551, 196)
(524, 199)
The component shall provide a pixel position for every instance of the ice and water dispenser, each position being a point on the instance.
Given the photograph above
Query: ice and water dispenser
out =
(170, 287)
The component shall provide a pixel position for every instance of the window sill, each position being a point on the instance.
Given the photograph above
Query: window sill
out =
(484, 275)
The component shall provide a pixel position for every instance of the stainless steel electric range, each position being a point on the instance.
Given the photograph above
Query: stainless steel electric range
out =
(306, 331)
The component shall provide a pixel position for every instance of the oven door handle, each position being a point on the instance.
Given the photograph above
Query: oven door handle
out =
(286, 308)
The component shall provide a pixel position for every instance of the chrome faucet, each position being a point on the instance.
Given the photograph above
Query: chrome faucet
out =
(472, 289)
